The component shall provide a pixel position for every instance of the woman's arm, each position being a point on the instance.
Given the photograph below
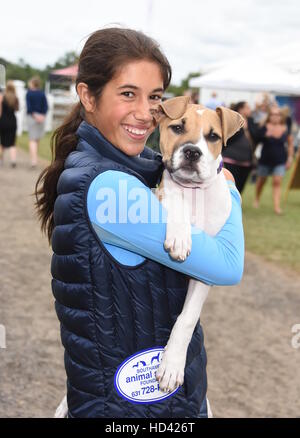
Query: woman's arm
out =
(290, 142)
(28, 103)
(257, 133)
(125, 213)
(44, 104)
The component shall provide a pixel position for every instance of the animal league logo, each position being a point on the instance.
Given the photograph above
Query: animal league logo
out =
(296, 339)
(135, 378)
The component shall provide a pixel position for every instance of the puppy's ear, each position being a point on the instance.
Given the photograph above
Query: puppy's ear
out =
(173, 108)
(176, 107)
(231, 122)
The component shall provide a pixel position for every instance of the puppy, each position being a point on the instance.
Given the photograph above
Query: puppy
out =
(194, 192)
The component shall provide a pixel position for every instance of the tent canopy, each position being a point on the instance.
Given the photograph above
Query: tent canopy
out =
(250, 74)
(70, 71)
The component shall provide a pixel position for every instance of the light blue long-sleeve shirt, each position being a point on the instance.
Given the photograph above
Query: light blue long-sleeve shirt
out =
(131, 223)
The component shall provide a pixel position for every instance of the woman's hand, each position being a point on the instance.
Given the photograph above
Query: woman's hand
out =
(39, 118)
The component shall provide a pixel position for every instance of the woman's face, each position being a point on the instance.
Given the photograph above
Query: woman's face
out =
(122, 113)
(275, 115)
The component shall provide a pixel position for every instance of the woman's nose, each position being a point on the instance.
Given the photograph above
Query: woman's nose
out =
(142, 111)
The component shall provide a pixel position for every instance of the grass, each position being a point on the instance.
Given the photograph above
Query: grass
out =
(276, 238)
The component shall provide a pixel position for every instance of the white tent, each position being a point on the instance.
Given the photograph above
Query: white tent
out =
(250, 74)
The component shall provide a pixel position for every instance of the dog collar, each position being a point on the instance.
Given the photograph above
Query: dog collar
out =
(221, 165)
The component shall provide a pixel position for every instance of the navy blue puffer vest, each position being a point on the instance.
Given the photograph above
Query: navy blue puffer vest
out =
(98, 301)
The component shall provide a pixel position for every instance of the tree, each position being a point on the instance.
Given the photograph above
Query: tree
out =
(178, 90)
(70, 58)
(23, 71)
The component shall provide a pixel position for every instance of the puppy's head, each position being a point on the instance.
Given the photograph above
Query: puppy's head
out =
(192, 136)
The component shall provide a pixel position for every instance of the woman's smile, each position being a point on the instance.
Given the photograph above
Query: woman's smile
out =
(136, 133)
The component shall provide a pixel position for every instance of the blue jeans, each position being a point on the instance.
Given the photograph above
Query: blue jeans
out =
(263, 170)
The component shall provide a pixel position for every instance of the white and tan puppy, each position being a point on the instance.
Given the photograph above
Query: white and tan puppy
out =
(194, 192)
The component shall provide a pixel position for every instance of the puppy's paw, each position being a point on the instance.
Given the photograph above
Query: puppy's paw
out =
(170, 373)
(178, 241)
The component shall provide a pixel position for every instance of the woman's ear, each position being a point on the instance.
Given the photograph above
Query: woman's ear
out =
(87, 100)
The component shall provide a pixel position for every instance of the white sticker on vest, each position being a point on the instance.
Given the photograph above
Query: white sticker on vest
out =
(135, 378)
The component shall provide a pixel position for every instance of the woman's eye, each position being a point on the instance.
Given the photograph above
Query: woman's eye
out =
(177, 129)
(155, 97)
(128, 94)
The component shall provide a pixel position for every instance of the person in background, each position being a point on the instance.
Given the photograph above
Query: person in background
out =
(238, 154)
(262, 105)
(9, 103)
(275, 157)
(213, 102)
(195, 97)
(37, 108)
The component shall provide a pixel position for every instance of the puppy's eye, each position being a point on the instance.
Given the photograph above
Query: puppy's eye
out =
(213, 137)
(177, 129)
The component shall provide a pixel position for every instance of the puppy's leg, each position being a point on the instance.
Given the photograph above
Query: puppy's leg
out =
(170, 373)
(178, 240)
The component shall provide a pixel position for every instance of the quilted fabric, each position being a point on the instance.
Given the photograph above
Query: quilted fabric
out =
(109, 311)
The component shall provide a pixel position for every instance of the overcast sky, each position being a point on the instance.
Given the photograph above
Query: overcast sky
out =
(192, 33)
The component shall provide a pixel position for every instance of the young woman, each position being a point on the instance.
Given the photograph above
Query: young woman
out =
(9, 104)
(275, 156)
(37, 108)
(117, 291)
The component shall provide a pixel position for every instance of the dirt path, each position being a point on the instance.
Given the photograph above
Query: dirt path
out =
(253, 371)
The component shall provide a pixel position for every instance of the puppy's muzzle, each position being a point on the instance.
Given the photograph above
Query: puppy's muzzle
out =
(191, 153)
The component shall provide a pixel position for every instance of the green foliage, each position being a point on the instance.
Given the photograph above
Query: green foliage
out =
(70, 58)
(23, 71)
(178, 90)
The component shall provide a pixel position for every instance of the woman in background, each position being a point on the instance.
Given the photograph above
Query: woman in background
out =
(8, 123)
(37, 108)
(275, 156)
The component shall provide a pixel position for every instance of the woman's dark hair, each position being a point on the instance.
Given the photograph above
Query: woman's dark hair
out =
(105, 51)
(239, 106)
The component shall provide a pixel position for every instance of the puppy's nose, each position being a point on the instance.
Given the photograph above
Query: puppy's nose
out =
(191, 153)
